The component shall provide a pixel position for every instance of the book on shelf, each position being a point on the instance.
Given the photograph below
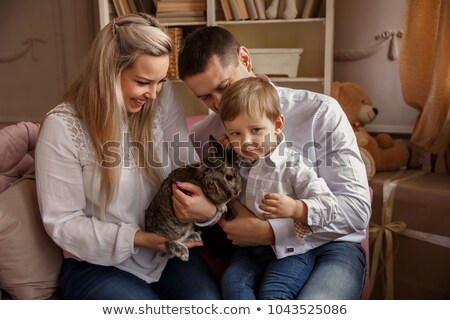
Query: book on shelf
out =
(180, 14)
(145, 6)
(300, 7)
(118, 6)
(226, 10)
(122, 7)
(311, 9)
(165, 6)
(140, 6)
(112, 11)
(260, 6)
(243, 10)
(126, 6)
(323, 10)
(133, 7)
(235, 9)
(299, 4)
(181, 19)
(250, 4)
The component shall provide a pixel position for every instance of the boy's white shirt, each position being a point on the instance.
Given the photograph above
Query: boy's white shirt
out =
(286, 172)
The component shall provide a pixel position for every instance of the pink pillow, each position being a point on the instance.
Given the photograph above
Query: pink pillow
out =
(192, 120)
(17, 143)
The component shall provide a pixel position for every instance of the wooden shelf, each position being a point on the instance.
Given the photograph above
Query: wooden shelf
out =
(271, 21)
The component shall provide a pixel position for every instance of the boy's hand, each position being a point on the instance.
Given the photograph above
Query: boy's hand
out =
(224, 141)
(282, 206)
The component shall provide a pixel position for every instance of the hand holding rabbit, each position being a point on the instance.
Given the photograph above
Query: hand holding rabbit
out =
(194, 207)
(218, 178)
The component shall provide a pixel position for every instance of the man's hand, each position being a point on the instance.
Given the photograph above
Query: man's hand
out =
(246, 229)
(194, 207)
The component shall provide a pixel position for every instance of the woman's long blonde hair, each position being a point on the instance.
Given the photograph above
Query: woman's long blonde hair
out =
(97, 96)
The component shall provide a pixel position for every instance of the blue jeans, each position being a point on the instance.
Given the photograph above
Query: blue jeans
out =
(191, 280)
(338, 273)
(332, 271)
(255, 273)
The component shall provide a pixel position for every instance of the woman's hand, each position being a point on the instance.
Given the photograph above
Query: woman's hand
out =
(194, 207)
(157, 242)
(151, 240)
(246, 229)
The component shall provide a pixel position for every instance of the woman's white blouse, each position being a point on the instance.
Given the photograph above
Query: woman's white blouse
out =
(68, 190)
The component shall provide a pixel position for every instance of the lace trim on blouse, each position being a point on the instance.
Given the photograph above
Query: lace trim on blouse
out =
(74, 126)
(83, 143)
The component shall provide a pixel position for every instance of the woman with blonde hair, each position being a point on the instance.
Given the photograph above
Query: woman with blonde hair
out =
(101, 156)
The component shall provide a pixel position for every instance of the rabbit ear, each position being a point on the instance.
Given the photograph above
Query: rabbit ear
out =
(230, 158)
(215, 149)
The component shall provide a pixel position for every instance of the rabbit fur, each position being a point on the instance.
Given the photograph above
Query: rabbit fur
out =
(220, 181)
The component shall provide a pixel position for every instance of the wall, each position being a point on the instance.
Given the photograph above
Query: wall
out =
(357, 22)
(34, 76)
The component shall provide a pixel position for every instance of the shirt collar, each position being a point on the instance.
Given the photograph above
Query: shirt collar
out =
(277, 155)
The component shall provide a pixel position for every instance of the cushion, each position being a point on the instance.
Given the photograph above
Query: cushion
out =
(192, 120)
(17, 144)
(30, 262)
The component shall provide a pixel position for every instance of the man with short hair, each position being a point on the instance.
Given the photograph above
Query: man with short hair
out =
(211, 60)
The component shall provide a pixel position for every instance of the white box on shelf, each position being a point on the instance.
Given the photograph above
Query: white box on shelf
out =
(276, 61)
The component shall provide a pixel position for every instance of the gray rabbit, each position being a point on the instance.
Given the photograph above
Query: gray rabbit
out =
(220, 181)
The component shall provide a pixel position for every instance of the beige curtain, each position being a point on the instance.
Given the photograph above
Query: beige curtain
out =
(425, 73)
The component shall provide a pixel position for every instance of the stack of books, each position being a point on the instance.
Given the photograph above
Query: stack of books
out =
(256, 9)
(122, 7)
(171, 11)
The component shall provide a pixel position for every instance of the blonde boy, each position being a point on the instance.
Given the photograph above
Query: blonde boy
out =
(278, 184)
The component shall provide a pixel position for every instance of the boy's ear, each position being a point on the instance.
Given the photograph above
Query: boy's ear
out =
(279, 124)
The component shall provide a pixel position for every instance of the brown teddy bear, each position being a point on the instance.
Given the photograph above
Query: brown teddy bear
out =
(380, 153)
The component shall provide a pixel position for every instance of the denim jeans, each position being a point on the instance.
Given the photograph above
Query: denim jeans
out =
(338, 273)
(255, 273)
(180, 280)
(332, 271)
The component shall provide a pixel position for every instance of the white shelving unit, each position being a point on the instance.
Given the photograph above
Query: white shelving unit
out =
(315, 36)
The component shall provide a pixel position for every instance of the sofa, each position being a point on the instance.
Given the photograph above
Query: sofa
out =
(30, 261)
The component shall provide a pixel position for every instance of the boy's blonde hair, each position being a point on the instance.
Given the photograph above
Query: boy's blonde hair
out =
(250, 96)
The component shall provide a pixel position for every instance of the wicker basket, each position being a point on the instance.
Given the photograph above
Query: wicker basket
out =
(177, 38)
